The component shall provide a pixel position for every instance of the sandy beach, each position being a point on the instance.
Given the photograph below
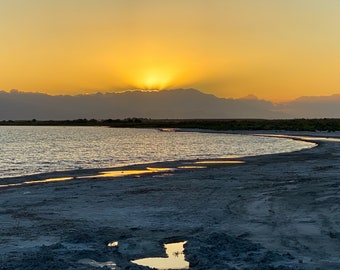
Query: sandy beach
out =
(271, 212)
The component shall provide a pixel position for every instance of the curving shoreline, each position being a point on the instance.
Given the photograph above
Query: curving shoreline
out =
(40, 176)
(64, 149)
(278, 211)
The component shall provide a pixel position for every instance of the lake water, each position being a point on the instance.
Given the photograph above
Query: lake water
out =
(30, 150)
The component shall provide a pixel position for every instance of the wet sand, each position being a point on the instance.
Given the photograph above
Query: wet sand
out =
(270, 212)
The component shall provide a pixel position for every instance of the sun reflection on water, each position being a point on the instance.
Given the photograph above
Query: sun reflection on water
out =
(158, 171)
(105, 174)
(34, 182)
(121, 173)
(175, 258)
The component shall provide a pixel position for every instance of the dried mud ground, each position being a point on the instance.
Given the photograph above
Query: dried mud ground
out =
(272, 212)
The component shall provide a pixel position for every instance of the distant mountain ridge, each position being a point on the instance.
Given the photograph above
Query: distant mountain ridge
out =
(165, 104)
(313, 107)
(179, 103)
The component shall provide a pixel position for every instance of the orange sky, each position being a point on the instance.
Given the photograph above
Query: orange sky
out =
(276, 50)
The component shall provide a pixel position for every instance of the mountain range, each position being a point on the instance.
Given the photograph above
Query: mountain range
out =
(165, 104)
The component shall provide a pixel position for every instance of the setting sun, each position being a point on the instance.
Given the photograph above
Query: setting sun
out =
(275, 50)
(211, 127)
(154, 79)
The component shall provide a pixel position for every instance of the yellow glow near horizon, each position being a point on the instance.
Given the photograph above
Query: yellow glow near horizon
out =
(153, 79)
(156, 80)
(276, 50)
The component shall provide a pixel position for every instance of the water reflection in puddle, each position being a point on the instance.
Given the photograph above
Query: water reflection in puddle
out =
(192, 167)
(48, 180)
(118, 173)
(122, 173)
(175, 259)
(113, 244)
(162, 172)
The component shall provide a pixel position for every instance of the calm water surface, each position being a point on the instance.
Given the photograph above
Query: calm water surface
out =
(31, 150)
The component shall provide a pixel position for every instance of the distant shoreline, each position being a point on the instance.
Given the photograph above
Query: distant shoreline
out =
(325, 124)
(96, 171)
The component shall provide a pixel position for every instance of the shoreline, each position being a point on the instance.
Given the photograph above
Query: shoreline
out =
(143, 165)
(278, 211)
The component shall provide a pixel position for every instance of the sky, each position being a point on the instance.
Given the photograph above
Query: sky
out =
(277, 50)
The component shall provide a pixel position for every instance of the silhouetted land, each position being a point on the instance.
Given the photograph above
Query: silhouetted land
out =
(325, 124)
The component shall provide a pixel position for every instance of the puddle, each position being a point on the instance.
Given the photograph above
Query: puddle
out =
(113, 244)
(11, 185)
(48, 180)
(192, 167)
(163, 172)
(110, 264)
(175, 259)
(122, 173)
(118, 173)
(212, 162)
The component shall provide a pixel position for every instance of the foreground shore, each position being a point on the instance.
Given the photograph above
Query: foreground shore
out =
(270, 212)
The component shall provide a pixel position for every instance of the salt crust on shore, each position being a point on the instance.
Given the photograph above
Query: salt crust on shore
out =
(272, 212)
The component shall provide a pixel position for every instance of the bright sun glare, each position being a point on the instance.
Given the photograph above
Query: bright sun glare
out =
(156, 80)
(153, 79)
